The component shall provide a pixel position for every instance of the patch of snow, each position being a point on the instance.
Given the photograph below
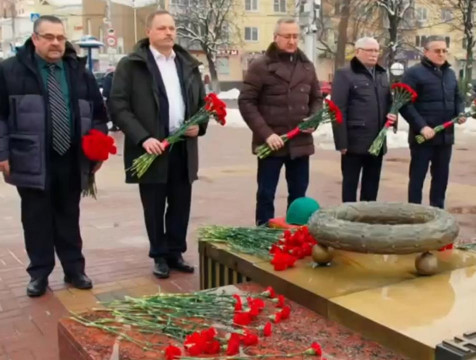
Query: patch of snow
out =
(234, 119)
(229, 95)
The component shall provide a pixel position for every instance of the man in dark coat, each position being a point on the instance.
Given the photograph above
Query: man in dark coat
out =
(154, 90)
(362, 93)
(439, 100)
(48, 101)
(280, 89)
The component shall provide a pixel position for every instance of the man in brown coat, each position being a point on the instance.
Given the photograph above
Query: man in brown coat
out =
(280, 89)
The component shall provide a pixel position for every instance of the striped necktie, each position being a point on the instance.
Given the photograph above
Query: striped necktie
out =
(59, 113)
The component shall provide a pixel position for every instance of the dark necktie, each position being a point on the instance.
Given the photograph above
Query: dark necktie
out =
(59, 113)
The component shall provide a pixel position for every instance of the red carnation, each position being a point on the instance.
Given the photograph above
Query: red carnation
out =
(209, 334)
(172, 352)
(217, 107)
(315, 349)
(194, 344)
(212, 347)
(281, 300)
(243, 318)
(334, 109)
(285, 312)
(267, 330)
(277, 317)
(97, 146)
(238, 304)
(269, 292)
(249, 339)
(282, 261)
(233, 345)
(405, 88)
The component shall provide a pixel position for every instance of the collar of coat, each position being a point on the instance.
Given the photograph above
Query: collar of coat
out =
(140, 53)
(427, 62)
(358, 67)
(274, 53)
(26, 54)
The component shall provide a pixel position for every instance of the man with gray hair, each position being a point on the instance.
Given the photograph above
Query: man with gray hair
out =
(48, 102)
(439, 100)
(280, 89)
(362, 92)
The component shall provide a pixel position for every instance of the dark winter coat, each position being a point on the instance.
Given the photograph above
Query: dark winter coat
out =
(364, 101)
(439, 100)
(135, 107)
(279, 91)
(25, 124)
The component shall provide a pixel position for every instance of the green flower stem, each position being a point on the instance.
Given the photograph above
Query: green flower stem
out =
(253, 241)
(172, 315)
(110, 329)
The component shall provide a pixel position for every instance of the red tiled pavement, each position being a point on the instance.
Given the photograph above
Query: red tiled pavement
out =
(115, 242)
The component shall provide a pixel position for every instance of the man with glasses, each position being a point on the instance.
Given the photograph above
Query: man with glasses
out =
(48, 101)
(280, 89)
(439, 100)
(362, 92)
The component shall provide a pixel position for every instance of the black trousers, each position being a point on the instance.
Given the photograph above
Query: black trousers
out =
(352, 165)
(51, 219)
(167, 207)
(421, 156)
(297, 177)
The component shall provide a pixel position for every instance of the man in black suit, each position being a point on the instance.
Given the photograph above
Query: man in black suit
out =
(155, 89)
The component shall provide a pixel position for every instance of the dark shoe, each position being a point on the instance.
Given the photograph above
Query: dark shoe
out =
(161, 268)
(178, 263)
(37, 287)
(79, 281)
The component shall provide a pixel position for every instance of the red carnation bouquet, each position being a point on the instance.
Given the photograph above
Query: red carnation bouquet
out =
(96, 147)
(420, 139)
(402, 94)
(329, 113)
(213, 107)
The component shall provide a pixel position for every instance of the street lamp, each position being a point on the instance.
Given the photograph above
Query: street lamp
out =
(89, 43)
(397, 69)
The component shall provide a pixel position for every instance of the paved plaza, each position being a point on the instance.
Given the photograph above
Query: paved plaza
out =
(115, 242)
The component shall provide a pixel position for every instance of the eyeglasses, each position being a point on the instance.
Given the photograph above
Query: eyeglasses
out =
(440, 51)
(375, 51)
(289, 36)
(51, 37)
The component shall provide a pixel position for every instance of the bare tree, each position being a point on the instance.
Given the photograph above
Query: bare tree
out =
(354, 17)
(209, 25)
(397, 15)
(462, 20)
(339, 60)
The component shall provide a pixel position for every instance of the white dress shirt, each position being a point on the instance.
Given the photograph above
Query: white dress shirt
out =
(168, 71)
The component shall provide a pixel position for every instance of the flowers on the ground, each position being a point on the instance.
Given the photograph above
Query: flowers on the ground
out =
(96, 147)
(269, 293)
(282, 248)
(329, 113)
(214, 107)
(172, 352)
(447, 247)
(402, 94)
(292, 246)
(315, 349)
(187, 318)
